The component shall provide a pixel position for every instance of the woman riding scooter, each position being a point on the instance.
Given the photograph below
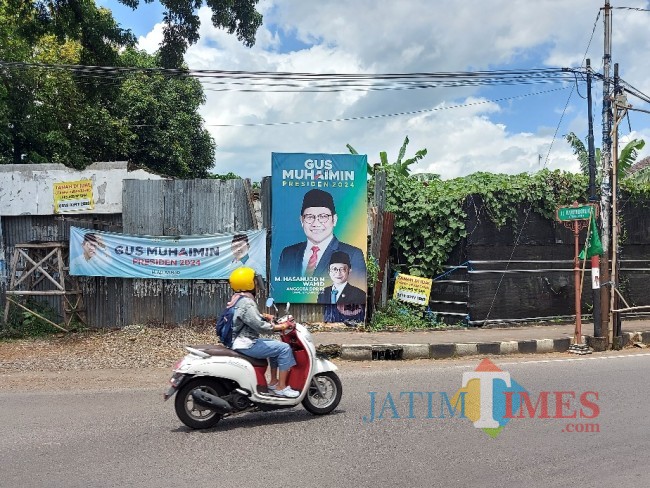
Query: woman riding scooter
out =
(249, 323)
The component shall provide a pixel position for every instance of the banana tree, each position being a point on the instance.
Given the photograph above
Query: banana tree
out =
(401, 166)
(626, 157)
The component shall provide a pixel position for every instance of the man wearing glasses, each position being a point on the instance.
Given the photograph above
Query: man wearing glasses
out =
(93, 259)
(241, 252)
(341, 292)
(312, 257)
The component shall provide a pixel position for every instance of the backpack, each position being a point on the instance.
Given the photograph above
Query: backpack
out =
(224, 325)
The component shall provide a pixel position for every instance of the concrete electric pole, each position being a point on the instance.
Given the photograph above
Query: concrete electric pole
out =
(606, 186)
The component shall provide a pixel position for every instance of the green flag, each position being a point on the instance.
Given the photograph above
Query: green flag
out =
(593, 246)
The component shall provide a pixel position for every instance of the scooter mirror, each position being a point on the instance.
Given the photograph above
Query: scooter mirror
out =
(270, 302)
(286, 310)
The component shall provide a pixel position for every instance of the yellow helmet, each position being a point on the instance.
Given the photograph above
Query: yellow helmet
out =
(242, 279)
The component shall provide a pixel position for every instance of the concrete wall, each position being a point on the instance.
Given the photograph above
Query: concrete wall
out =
(28, 189)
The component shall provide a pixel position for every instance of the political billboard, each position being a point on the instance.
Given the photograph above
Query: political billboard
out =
(214, 256)
(319, 228)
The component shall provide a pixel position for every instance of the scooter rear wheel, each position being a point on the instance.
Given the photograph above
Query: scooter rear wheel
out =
(190, 413)
(319, 404)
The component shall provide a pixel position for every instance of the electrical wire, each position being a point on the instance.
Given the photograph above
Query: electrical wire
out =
(634, 91)
(283, 82)
(637, 9)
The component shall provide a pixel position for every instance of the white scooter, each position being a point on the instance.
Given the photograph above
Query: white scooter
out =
(213, 382)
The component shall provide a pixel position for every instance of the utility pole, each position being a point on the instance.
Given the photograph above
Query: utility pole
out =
(605, 186)
(619, 109)
(595, 260)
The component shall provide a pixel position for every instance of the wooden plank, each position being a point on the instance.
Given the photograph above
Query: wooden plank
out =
(384, 251)
(37, 267)
(41, 292)
(40, 246)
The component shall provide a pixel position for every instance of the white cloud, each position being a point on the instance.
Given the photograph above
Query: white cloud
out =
(367, 36)
(151, 42)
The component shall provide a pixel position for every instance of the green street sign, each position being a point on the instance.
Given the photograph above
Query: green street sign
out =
(565, 214)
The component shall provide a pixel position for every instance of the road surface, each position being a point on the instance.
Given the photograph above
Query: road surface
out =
(107, 433)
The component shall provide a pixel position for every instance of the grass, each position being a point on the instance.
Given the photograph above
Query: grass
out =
(402, 316)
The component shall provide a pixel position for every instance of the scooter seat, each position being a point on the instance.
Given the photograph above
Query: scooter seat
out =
(219, 350)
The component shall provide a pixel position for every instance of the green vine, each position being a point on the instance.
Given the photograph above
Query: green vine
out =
(430, 215)
(372, 270)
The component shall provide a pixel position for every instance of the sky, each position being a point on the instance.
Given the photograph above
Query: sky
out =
(507, 129)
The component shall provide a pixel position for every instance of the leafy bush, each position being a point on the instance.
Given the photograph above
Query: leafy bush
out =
(398, 315)
(21, 323)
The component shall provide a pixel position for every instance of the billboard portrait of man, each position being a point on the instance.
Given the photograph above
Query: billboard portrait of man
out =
(92, 258)
(242, 256)
(311, 257)
(341, 291)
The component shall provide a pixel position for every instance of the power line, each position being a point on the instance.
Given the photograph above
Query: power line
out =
(630, 8)
(277, 74)
(283, 82)
(634, 92)
(591, 38)
(557, 128)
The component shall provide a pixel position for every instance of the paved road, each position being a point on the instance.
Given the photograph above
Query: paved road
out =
(128, 437)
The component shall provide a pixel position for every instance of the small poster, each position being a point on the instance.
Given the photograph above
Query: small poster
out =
(73, 196)
(412, 289)
(595, 278)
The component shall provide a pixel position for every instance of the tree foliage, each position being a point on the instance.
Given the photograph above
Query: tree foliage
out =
(628, 156)
(181, 23)
(165, 129)
(63, 116)
(93, 28)
(430, 215)
(46, 115)
(640, 171)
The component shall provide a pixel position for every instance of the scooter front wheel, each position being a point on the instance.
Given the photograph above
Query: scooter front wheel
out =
(321, 404)
(191, 413)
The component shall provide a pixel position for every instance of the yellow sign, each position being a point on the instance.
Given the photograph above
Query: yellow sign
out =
(73, 196)
(412, 289)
